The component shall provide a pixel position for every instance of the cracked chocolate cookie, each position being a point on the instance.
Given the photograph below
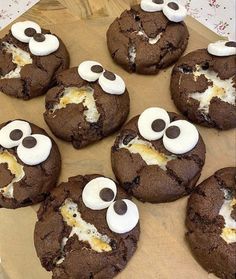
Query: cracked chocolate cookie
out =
(149, 37)
(203, 85)
(87, 228)
(30, 164)
(90, 101)
(211, 223)
(158, 156)
(30, 58)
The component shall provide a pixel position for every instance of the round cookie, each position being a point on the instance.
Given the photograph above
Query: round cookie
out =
(158, 156)
(30, 58)
(145, 41)
(30, 164)
(87, 228)
(211, 223)
(203, 86)
(90, 102)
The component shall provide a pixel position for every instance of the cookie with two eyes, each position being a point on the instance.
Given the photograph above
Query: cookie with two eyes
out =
(87, 228)
(211, 223)
(30, 164)
(148, 37)
(90, 101)
(30, 58)
(158, 156)
(203, 85)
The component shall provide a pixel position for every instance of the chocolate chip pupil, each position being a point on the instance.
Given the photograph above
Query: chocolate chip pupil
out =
(120, 207)
(173, 132)
(30, 32)
(16, 134)
(173, 6)
(97, 69)
(231, 44)
(29, 142)
(158, 125)
(38, 37)
(158, 1)
(106, 194)
(109, 75)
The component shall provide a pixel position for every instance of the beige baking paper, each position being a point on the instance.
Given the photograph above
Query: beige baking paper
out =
(162, 250)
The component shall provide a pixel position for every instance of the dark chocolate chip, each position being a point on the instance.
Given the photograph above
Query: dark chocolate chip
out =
(173, 132)
(97, 69)
(113, 244)
(158, 1)
(109, 75)
(158, 125)
(173, 6)
(127, 139)
(74, 215)
(106, 194)
(137, 18)
(29, 142)
(205, 66)
(30, 32)
(186, 69)
(231, 44)
(16, 134)
(120, 207)
(38, 37)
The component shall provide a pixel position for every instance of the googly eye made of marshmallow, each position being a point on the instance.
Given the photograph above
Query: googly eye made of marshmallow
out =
(222, 48)
(174, 11)
(180, 137)
(43, 44)
(152, 5)
(25, 30)
(99, 193)
(153, 122)
(90, 70)
(122, 216)
(34, 149)
(12, 134)
(111, 83)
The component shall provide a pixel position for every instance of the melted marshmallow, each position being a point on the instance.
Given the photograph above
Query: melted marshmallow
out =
(148, 153)
(151, 41)
(223, 89)
(15, 168)
(85, 95)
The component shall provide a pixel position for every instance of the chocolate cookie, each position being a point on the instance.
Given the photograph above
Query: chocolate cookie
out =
(90, 101)
(30, 58)
(30, 164)
(87, 228)
(211, 223)
(203, 85)
(149, 37)
(158, 156)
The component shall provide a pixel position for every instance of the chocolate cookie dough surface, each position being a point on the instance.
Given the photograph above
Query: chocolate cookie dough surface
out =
(145, 40)
(158, 156)
(203, 85)
(30, 58)
(90, 101)
(211, 223)
(30, 164)
(87, 228)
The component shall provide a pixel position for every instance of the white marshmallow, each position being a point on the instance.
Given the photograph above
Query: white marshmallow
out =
(172, 14)
(115, 87)
(151, 6)
(18, 30)
(220, 49)
(50, 45)
(86, 72)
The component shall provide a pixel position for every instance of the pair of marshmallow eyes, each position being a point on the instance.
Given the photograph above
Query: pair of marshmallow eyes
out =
(30, 32)
(179, 136)
(222, 48)
(100, 193)
(32, 149)
(172, 10)
(110, 83)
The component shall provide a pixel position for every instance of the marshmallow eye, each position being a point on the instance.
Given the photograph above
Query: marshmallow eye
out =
(90, 70)
(152, 5)
(174, 11)
(34, 149)
(43, 44)
(112, 83)
(180, 137)
(24, 31)
(222, 48)
(99, 193)
(153, 122)
(12, 134)
(122, 216)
